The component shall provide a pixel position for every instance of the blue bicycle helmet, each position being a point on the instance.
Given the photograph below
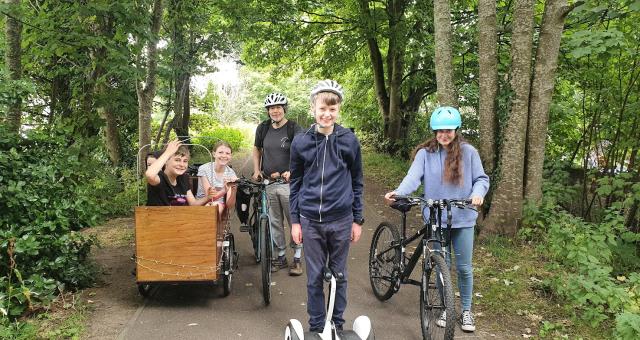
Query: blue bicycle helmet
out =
(445, 118)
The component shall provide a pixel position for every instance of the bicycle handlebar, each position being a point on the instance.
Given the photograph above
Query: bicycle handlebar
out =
(252, 183)
(442, 203)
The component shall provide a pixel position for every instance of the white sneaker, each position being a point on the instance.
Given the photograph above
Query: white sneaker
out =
(442, 320)
(467, 322)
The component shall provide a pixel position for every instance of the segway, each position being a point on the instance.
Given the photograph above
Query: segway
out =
(362, 329)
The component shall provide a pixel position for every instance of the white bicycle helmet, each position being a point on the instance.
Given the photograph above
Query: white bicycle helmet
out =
(327, 85)
(274, 99)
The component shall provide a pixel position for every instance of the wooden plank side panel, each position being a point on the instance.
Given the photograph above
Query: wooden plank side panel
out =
(176, 243)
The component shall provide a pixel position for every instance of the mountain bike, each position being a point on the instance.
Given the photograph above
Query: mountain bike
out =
(389, 266)
(260, 228)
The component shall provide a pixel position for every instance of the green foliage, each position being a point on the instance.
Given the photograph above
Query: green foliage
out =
(628, 326)
(17, 330)
(49, 189)
(209, 131)
(595, 264)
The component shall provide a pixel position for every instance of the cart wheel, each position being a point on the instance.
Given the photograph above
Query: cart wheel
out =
(294, 330)
(229, 265)
(144, 289)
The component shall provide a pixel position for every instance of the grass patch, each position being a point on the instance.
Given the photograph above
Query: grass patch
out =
(510, 288)
(65, 319)
(117, 232)
(385, 170)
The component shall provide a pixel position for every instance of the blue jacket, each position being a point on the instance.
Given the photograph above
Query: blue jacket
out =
(326, 176)
(428, 168)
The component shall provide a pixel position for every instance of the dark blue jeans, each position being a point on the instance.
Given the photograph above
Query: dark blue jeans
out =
(320, 239)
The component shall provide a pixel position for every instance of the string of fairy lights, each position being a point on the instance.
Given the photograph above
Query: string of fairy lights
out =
(183, 270)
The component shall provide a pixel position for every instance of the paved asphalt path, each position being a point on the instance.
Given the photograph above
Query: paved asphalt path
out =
(200, 312)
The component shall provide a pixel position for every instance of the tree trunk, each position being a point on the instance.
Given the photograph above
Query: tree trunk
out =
(506, 205)
(555, 12)
(112, 140)
(388, 92)
(444, 62)
(488, 62)
(60, 95)
(186, 104)
(105, 28)
(147, 92)
(13, 54)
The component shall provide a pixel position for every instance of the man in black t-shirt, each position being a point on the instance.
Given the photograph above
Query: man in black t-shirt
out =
(271, 160)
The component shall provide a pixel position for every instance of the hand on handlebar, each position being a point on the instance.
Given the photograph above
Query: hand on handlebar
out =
(286, 175)
(477, 201)
(389, 197)
(257, 176)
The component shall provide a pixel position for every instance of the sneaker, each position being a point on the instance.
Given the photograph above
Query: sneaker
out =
(279, 263)
(468, 324)
(296, 267)
(442, 320)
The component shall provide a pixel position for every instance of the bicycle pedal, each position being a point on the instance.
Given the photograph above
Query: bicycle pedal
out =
(244, 228)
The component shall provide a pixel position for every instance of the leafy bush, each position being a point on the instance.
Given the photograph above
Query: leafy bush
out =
(49, 189)
(596, 263)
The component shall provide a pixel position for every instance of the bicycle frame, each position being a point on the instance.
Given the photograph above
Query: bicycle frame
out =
(431, 233)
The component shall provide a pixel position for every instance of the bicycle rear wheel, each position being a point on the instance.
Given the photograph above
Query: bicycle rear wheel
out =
(436, 297)
(384, 261)
(265, 254)
(228, 263)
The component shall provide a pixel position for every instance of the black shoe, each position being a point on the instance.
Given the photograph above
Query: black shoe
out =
(279, 263)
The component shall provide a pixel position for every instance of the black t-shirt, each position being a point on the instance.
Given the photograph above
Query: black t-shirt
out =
(166, 194)
(275, 151)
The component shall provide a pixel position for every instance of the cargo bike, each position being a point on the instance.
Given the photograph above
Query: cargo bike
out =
(182, 244)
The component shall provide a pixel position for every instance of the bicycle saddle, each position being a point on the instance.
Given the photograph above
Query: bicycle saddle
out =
(401, 204)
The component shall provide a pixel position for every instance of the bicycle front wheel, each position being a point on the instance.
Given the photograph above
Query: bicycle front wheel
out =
(384, 261)
(254, 232)
(265, 254)
(436, 298)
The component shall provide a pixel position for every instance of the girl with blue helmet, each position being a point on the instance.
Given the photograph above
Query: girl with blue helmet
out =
(450, 168)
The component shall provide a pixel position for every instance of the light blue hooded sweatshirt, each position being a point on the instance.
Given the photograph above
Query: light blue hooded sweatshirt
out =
(429, 167)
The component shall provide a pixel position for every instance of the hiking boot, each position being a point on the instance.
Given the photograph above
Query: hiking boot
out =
(279, 263)
(442, 320)
(244, 227)
(296, 267)
(467, 322)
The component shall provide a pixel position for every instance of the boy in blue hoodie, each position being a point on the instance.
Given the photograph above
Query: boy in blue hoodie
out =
(326, 199)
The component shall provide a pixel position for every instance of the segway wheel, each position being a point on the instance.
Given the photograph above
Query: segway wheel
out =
(362, 328)
(294, 330)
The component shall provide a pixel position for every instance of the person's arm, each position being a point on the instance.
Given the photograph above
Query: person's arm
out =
(231, 188)
(480, 180)
(257, 157)
(192, 200)
(414, 176)
(357, 184)
(296, 166)
(152, 171)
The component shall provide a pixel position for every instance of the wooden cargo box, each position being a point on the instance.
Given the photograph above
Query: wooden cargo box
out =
(175, 244)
